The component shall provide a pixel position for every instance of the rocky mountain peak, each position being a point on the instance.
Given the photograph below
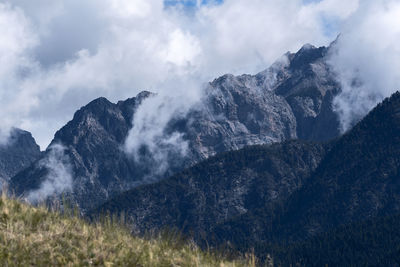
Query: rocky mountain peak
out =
(22, 139)
(307, 46)
(18, 153)
(92, 143)
(305, 56)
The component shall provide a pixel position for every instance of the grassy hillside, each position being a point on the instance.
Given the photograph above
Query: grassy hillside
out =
(34, 236)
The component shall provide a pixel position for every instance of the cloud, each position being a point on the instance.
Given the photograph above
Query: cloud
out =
(242, 37)
(149, 140)
(62, 54)
(367, 59)
(17, 39)
(59, 177)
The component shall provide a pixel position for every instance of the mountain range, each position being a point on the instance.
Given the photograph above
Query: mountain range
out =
(291, 99)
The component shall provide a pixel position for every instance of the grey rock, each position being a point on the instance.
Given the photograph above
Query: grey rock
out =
(309, 88)
(236, 113)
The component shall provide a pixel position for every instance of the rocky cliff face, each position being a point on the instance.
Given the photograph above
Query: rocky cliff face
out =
(309, 87)
(289, 100)
(18, 153)
(237, 112)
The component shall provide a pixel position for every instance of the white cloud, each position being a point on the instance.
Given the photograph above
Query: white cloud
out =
(17, 40)
(129, 8)
(340, 9)
(59, 177)
(247, 36)
(181, 48)
(367, 59)
(151, 119)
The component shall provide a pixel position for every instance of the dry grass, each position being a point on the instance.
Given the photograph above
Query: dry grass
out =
(34, 236)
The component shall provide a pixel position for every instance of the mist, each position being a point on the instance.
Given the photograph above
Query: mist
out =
(151, 120)
(59, 177)
(366, 58)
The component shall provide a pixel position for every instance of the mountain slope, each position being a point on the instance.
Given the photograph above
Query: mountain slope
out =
(374, 242)
(358, 179)
(219, 189)
(18, 153)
